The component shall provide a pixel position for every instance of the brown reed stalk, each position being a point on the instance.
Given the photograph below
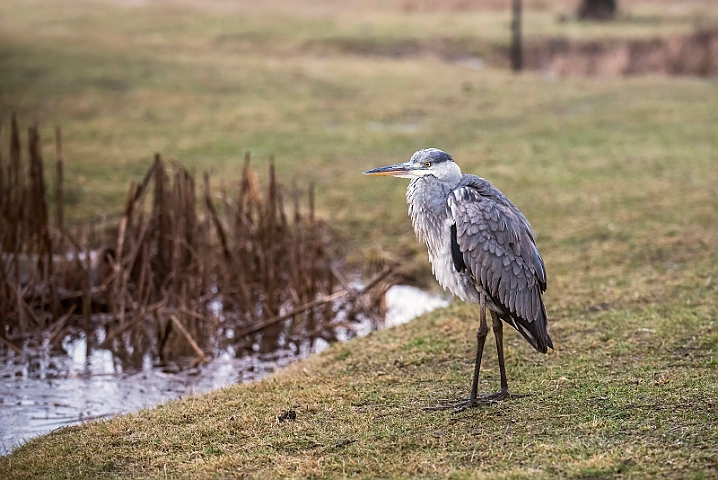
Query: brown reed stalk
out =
(4, 285)
(269, 238)
(295, 258)
(59, 193)
(86, 289)
(119, 284)
(3, 192)
(14, 187)
(39, 219)
(243, 265)
(15, 209)
(309, 253)
(214, 216)
(161, 263)
(169, 260)
(189, 338)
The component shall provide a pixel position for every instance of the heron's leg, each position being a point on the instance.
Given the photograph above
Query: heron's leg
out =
(481, 334)
(499, 335)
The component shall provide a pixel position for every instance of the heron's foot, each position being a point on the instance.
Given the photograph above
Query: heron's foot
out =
(504, 394)
(467, 403)
(459, 406)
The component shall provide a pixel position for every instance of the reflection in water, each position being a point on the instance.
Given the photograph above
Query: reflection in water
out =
(40, 392)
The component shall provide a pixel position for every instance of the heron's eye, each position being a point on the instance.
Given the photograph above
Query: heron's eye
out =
(427, 164)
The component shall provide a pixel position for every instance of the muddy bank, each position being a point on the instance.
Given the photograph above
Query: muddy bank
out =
(695, 54)
(691, 55)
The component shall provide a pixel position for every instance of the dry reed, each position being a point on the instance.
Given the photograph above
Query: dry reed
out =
(184, 274)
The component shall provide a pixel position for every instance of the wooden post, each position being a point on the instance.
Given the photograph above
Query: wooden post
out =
(516, 53)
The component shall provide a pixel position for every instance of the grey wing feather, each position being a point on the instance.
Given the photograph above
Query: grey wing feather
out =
(499, 251)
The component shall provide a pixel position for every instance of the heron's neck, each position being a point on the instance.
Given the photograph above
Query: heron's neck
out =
(426, 197)
(430, 191)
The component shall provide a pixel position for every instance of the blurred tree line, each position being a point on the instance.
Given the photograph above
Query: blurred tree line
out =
(597, 9)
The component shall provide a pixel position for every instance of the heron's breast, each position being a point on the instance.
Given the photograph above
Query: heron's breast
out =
(432, 224)
(458, 283)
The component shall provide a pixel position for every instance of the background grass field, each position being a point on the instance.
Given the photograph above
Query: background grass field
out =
(617, 175)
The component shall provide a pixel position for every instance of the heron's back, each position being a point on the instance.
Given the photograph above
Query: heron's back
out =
(479, 242)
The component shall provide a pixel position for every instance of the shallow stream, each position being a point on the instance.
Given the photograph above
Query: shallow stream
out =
(47, 391)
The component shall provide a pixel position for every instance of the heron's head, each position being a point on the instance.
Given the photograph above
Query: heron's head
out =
(429, 161)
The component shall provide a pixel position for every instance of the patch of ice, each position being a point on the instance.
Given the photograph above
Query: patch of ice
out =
(404, 303)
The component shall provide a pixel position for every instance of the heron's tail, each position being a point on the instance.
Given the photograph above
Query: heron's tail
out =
(535, 332)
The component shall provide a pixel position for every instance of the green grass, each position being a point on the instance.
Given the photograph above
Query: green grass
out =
(618, 177)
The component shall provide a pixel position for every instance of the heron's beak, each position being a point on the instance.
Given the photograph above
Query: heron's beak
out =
(395, 170)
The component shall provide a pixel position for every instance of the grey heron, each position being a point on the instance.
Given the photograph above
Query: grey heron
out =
(482, 249)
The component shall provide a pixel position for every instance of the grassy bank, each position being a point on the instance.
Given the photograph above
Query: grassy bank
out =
(629, 391)
(618, 177)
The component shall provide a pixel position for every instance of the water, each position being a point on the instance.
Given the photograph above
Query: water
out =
(42, 392)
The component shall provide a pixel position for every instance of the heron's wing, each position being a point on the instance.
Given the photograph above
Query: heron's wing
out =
(494, 243)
